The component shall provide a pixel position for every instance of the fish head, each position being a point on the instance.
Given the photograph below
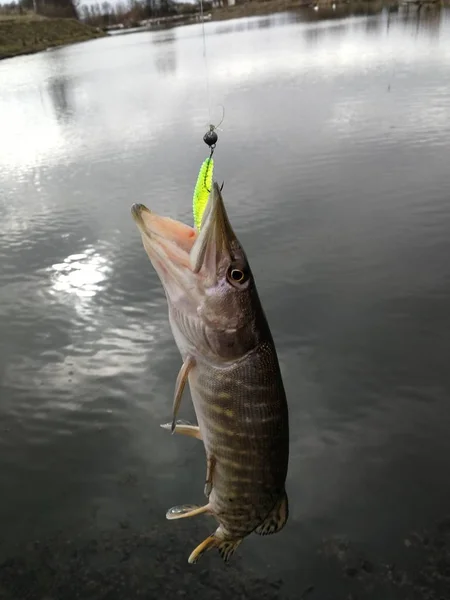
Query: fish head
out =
(210, 289)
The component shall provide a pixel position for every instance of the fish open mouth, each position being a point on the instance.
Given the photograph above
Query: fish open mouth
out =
(172, 245)
(166, 240)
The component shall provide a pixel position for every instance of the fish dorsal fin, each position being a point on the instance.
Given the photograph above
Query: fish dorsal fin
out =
(276, 519)
(226, 548)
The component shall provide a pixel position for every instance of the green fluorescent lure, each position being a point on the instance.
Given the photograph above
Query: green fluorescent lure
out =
(201, 191)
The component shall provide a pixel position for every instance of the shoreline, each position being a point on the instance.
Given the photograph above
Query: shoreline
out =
(25, 36)
(255, 8)
(265, 7)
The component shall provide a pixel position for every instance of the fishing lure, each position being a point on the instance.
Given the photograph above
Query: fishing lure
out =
(201, 191)
(205, 175)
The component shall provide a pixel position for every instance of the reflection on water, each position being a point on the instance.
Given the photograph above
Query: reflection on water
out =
(59, 92)
(80, 274)
(60, 86)
(427, 17)
(166, 62)
(166, 55)
(333, 153)
(166, 36)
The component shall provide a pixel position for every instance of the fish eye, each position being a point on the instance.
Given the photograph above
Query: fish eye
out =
(236, 275)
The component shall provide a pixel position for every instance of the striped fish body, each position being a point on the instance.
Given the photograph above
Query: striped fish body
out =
(243, 419)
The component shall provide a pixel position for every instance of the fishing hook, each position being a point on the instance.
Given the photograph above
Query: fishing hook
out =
(210, 138)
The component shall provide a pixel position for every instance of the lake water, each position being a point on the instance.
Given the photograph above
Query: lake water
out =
(335, 155)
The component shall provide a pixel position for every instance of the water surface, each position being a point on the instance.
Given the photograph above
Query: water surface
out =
(334, 153)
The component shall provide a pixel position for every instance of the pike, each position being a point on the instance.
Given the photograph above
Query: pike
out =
(231, 364)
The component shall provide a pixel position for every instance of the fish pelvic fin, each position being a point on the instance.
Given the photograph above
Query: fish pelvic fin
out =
(226, 548)
(185, 428)
(186, 510)
(276, 519)
(180, 384)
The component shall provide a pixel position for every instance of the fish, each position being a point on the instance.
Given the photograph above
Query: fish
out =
(230, 364)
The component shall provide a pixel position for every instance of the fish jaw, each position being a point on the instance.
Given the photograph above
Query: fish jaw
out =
(168, 243)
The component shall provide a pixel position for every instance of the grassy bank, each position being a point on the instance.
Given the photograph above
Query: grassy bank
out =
(25, 35)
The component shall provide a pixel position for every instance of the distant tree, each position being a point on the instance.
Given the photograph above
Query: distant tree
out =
(121, 10)
(150, 7)
(85, 12)
(52, 8)
(129, 13)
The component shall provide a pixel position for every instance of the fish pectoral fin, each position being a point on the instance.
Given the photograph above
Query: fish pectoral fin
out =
(186, 510)
(185, 428)
(276, 519)
(226, 548)
(179, 387)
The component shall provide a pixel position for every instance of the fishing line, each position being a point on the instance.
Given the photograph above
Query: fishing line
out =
(205, 58)
(393, 63)
(210, 138)
(204, 179)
